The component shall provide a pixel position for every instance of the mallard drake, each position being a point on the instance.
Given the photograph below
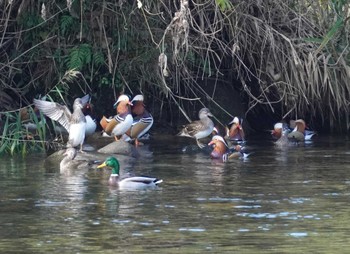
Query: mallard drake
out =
(135, 182)
(74, 123)
(121, 122)
(142, 120)
(200, 128)
(235, 132)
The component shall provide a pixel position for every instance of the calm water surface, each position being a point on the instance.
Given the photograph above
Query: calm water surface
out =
(294, 200)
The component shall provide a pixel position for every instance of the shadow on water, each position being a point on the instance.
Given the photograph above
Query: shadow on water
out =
(292, 200)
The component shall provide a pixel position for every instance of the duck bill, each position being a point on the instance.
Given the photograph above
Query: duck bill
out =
(130, 103)
(102, 165)
(211, 143)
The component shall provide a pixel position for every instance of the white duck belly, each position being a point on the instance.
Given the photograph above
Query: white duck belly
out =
(138, 182)
(77, 133)
(90, 125)
(123, 126)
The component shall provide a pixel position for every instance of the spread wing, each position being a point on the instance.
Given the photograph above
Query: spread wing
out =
(55, 111)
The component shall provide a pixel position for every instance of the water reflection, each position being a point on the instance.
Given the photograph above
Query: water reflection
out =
(292, 200)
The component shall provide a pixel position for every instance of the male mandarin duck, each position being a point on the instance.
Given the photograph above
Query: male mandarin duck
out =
(299, 133)
(121, 122)
(220, 147)
(200, 128)
(222, 151)
(142, 122)
(296, 131)
(277, 130)
(74, 123)
(135, 182)
(235, 132)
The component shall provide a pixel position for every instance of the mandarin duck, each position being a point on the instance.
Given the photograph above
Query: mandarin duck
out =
(222, 151)
(142, 120)
(135, 182)
(220, 148)
(200, 128)
(121, 122)
(235, 132)
(74, 123)
(299, 133)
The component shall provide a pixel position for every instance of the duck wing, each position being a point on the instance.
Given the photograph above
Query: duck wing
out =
(55, 111)
(192, 128)
(143, 180)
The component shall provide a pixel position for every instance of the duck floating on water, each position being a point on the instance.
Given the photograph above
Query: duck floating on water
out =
(74, 123)
(200, 128)
(142, 120)
(120, 123)
(69, 163)
(221, 150)
(235, 132)
(135, 182)
(296, 132)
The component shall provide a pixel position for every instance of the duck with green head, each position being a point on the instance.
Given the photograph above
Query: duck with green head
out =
(135, 182)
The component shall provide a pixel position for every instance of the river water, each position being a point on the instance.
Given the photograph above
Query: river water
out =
(293, 200)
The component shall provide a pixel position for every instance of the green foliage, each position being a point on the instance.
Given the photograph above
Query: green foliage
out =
(79, 57)
(17, 138)
(67, 24)
(224, 5)
(98, 58)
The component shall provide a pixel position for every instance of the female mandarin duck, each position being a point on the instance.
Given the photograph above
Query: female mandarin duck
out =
(121, 122)
(142, 122)
(235, 132)
(135, 182)
(74, 123)
(200, 128)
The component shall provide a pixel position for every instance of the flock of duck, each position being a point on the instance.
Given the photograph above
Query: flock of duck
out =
(132, 121)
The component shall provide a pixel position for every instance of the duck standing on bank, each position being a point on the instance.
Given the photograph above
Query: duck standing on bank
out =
(200, 128)
(121, 122)
(74, 123)
(142, 120)
(135, 182)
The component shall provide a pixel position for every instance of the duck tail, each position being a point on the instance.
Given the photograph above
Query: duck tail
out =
(158, 181)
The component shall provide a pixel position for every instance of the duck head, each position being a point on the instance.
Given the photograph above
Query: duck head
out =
(277, 130)
(204, 112)
(300, 125)
(220, 147)
(122, 104)
(138, 107)
(112, 163)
